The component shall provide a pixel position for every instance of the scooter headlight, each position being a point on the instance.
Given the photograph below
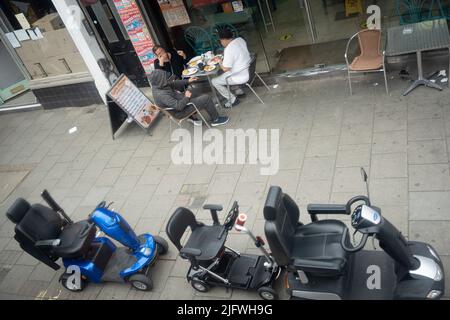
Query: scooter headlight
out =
(147, 252)
(433, 253)
(434, 294)
(439, 274)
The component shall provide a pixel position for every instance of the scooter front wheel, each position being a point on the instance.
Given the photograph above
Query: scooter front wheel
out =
(162, 245)
(267, 293)
(141, 282)
(200, 285)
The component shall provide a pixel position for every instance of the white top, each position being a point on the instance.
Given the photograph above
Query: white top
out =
(237, 57)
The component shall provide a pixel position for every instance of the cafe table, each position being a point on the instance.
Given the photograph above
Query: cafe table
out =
(417, 38)
(208, 75)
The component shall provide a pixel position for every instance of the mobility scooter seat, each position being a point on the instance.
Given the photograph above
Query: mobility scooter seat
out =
(208, 239)
(314, 248)
(37, 223)
(75, 239)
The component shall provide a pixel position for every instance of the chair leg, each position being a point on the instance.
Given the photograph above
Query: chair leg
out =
(349, 82)
(385, 81)
(264, 83)
(201, 116)
(254, 92)
(170, 129)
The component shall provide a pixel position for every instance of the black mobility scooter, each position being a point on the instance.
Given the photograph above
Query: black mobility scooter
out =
(322, 262)
(215, 264)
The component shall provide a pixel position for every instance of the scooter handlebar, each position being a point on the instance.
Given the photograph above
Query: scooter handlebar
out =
(354, 200)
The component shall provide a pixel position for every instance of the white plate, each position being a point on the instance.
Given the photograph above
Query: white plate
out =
(189, 71)
(195, 59)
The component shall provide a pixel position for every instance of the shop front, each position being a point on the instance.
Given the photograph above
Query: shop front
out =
(285, 34)
(39, 58)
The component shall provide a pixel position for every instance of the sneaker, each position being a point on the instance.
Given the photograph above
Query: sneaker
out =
(229, 104)
(197, 123)
(220, 121)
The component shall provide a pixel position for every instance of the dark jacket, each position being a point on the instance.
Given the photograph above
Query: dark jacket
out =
(174, 66)
(167, 94)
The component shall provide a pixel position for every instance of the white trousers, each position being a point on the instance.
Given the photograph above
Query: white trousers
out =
(221, 85)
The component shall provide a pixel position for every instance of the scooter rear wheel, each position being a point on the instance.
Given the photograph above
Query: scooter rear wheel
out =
(162, 245)
(200, 285)
(141, 282)
(267, 293)
(64, 281)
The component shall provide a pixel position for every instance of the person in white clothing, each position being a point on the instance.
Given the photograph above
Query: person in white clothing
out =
(235, 63)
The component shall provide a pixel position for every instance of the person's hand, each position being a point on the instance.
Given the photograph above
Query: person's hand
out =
(181, 53)
(188, 94)
(164, 59)
(192, 79)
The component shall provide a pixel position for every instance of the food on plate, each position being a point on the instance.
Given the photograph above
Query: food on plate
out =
(189, 71)
(193, 64)
(209, 68)
(215, 60)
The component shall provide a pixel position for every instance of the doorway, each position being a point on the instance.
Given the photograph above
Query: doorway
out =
(106, 20)
(308, 33)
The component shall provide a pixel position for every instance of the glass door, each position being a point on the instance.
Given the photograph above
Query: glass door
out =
(283, 26)
(12, 80)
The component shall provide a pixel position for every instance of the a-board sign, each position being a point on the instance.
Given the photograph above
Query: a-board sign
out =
(133, 102)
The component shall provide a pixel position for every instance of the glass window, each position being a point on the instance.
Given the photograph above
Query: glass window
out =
(46, 48)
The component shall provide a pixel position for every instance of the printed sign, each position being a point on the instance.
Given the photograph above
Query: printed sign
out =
(174, 12)
(129, 98)
(137, 30)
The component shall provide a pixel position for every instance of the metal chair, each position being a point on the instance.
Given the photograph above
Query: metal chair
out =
(179, 122)
(252, 76)
(371, 58)
(199, 39)
(409, 11)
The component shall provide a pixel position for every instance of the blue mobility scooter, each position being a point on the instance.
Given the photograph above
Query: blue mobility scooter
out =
(49, 234)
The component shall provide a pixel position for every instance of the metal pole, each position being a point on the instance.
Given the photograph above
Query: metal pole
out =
(262, 16)
(312, 26)
(270, 15)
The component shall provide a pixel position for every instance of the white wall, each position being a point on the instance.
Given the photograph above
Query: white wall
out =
(87, 45)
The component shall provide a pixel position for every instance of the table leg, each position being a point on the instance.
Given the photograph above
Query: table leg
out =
(214, 91)
(421, 81)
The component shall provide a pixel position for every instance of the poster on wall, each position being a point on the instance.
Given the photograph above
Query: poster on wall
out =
(174, 12)
(137, 30)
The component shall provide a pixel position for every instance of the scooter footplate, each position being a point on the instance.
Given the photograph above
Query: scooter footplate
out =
(121, 259)
(242, 270)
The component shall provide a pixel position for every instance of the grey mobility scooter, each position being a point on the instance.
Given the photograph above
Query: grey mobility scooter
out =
(323, 263)
(215, 264)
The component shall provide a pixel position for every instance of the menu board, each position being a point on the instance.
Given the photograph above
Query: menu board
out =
(174, 12)
(129, 98)
(137, 30)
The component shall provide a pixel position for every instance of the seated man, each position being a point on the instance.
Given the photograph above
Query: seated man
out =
(168, 95)
(236, 60)
(170, 60)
